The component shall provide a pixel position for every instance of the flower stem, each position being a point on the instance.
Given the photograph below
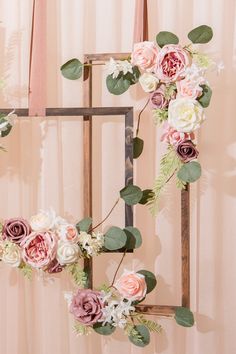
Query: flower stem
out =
(114, 278)
(106, 216)
(139, 116)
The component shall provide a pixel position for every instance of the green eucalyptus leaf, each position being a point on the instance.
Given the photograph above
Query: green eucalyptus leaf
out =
(131, 194)
(201, 34)
(190, 172)
(165, 37)
(115, 238)
(137, 147)
(133, 78)
(143, 337)
(205, 98)
(84, 224)
(72, 69)
(147, 194)
(4, 133)
(105, 330)
(118, 85)
(134, 238)
(150, 279)
(184, 317)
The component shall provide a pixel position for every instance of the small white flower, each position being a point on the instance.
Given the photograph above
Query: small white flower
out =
(114, 67)
(10, 253)
(68, 296)
(67, 252)
(116, 313)
(148, 82)
(92, 244)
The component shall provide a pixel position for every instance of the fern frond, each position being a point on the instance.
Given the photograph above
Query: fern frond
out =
(26, 270)
(81, 330)
(151, 325)
(104, 287)
(78, 275)
(130, 331)
(159, 116)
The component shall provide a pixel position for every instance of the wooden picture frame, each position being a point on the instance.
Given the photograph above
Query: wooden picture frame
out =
(154, 309)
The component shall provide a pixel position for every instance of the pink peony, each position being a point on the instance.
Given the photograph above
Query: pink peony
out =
(15, 230)
(132, 285)
(144, 55)
(171, 63)
(39, 248)
(173, 137)
(86, 306)
(188, 88)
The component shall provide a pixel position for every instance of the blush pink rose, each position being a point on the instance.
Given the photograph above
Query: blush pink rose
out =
(132, 286)
(144, 55)
(188, 88)
(39, 248)
(171, 63)
(173, 137)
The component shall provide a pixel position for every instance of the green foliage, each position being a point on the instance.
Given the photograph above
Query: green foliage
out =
(168, 166)
(147, 194)
(201, 34)
(134, 238)
(137, 147)
(190, 172)
(205, 98)
(78, 275)
(80, 329)
(142, 338)
(118, 85)
(133, 78)
(180, 184)
(165, 37)
(115, 238)
(104, 287)
(151, 325)
(131, 194)
(170, 91)
(160, 116)
(26, 270)
(84, 224)
(72, 69)
(150, 279)
(184, 317)
(130, 331)
(104, 330)
(4, 133)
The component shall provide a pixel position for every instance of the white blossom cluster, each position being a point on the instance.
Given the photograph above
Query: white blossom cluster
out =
(91, 243)
(116, 66)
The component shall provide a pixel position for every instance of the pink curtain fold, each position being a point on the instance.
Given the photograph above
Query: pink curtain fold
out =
(140, 21)
(37, 66)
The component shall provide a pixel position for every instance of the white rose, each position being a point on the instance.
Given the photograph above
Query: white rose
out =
(67, 252)
(46, 220)
(67, 232)
(185, 115)
(11, 254)
(148, 82)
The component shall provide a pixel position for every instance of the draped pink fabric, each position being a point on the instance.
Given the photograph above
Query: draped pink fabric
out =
(37, 70)
(140, 21)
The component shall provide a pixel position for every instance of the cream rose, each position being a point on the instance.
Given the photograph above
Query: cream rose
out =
(132, 286)
(11, 254)
(46, 220)
(144, 55)
(67, 253)
(67, 232)
(185, 115)
(148, 82)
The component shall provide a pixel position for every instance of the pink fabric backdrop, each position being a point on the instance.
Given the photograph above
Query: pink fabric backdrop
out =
(42, 168)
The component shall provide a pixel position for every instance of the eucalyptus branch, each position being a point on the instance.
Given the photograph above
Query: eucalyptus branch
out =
(139, 116)
(114, 278)
(106, 216)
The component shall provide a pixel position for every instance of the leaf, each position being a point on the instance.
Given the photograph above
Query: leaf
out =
(190, 172)
(26, 270)
(147, 194)
(78, 275)
(201, 34)
(133, 78)
(81, 329)
(115, 238)
(205, 98)
(165, 37)
(137, 147)
(144, 336)
(131, 194)
(151, 325)
(84, 224)
(118, 85)
(184, 317)
(4, 133)
(72, 69)
(134, 238)
(105, 330)
(150, 279)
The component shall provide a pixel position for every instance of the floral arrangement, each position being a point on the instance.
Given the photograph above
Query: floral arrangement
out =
(174, 77)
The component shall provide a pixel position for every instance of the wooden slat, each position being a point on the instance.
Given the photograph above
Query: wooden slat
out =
(106, 56)
(158, 310)
(185, 245)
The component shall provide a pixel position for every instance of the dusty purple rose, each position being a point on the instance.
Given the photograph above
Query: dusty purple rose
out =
(16, 230)
(187, 151)
(86, 306)
(54, 267)
(158, 99)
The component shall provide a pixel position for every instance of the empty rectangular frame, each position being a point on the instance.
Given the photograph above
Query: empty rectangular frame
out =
(154, 309)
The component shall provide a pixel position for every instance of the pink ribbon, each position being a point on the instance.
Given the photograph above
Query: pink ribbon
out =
(38, 67)
(140, 21)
